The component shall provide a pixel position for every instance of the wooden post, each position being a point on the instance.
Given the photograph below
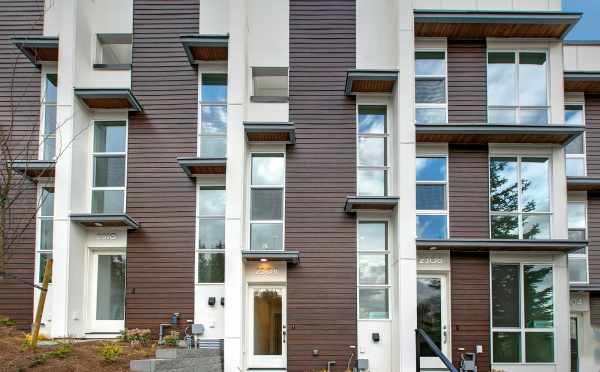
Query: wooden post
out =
(42, 301)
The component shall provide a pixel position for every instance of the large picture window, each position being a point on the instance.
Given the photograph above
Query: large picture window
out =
(578, 260)
(575, 150)
(520, 197)
(373, 270)
(266, 202)
(522, 313)
(45, 228)
(48, 129)
(211, 234)
(372, 151)
(432, 201)
(430, 87)
(212, 133)
(517, 89)
(109, 162)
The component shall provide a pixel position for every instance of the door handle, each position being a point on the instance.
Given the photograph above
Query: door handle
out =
(445, 335)
(284, 334)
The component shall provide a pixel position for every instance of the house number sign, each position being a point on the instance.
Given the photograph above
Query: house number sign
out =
(266, 270)
(431, 260)
(106, 236)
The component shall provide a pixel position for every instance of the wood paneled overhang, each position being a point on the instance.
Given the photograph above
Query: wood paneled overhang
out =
(497, 133)
(38, 49)
(109, 99)
(370, 203)
(34, 169)
(504, 245)
(370, 81)
(199, 166)
(291, 257)
(482, 24)
(205, 48)
(582, 81)
(97, 220)
(270, 132)
(583, 183)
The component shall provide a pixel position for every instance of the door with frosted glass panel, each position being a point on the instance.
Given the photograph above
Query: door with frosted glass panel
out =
(432, 315)
(107, 294)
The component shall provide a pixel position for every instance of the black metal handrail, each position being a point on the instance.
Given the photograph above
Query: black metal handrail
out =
(420, 334)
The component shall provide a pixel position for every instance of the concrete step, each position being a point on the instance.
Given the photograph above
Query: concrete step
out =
(181, 360)
(173, 353)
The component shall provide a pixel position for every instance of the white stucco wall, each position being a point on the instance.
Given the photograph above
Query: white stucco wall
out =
(376, 36)
(582, 57)
(489, 4)
(214, 17)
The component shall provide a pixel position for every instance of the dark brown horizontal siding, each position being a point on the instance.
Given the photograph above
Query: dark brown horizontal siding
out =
(467, 81)
(593, 214)
(595, 309)
(592, 134)
(470, 303)
(320, 173)
(20, 80)
(160, 256)
(468, 191)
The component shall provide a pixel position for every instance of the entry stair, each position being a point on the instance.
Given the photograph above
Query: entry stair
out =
(181, 360)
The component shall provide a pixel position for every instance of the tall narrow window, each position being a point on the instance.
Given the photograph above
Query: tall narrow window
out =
(520, 197)
(517, 90)
(372, 151)
(266, 202)
(49, 128)
(212, 134)
(45, 228)
(373, 270)
(430, 87)
(578, 260)
(432, 203)
(575, 150)
(109, 162)
(211, 234)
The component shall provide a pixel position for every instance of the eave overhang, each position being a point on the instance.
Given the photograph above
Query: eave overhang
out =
(583, 183)
(585, 288)
(201, 166)
(582, 81)
(370, 81)
(505, 245)
(370, 203)
(34, 168)
(38, 49)
(205, 48)
(291, 257)
(501, 24)
(109, 99)
(270, 132)
(99, 220)
(497, 133)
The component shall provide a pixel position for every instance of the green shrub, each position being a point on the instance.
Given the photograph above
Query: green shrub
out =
(7, 322)
(62, 351)
(172, 338)
(38, 360)
(136, 336)
(111, 352)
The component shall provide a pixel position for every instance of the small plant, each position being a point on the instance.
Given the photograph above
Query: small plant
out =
(7, 322)
(171, 339)
(62, 351)
(38, 360)
(111, 352)
(136, 337)
(28, 339)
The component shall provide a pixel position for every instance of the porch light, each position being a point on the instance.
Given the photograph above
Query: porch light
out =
(264, 260)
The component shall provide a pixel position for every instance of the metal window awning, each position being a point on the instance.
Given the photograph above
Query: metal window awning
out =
(370, 203)
(501, 24)
(497, 133)
(506, 245)
(370, 81)
(200, 166)
(582, 81)
(109, 99)
(34, 168)
(98, 220)
(205, 48)
(291, 257)
(270, 132)
(583, 183)
(38, 49)
(585, 288)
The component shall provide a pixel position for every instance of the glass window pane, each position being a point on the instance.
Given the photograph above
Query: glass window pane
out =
(505, 295)
(110, 294)
(268, 170)
(432, 227)
(211, 201)
(431, 197)
(503, 185)
(51, 86)
(372, 236)
(539, 347)
(430, 91)
(430, 115)
(505, 227)
(501, 79)
(371, 182)
(538, 296)
(110, 137)
(536, 226)
(211, 267)
(267, 204)
(575, 234)
(211, 234)
(372, 119)
(431, 169)
(575, 167)
(44, 257)
(502, 116)
(213, 147)
(507, 347)
(575, 146)
(49, 120)
(578, 270)
(372, 269)
(535, 184)
(574, 115)
(371, 151)
(109, 171)
(107, 201)
(533, 117)
(373, 303)
(46, 234)
(47, 201)
(214, 87)
(213, 120)
(113, 54)
(429, 312)
(430, 63)
(267, 322)
(576, 215)
(266, 236)
(49, 148)
(270, 85)
(532, 79)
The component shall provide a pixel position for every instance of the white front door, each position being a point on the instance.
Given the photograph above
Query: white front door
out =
(432, 317)
(267, 334)
(107, 292)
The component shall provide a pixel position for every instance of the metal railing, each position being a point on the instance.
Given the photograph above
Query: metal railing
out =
(421, 335)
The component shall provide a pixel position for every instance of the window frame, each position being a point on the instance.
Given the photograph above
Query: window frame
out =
(105, 39)
(446, 182)
(38, 230)
(201, 103)
(387, 167)
(268, 71)
(199, 218)
(582, 156)
(43, 136)
(579, 256)
(444, 78)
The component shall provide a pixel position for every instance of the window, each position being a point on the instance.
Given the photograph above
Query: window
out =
(49, 129)
(575, 150)
(520, 197)
(430, 87)
(270, 84)
(113, 51)
(432, 201)
(266, 202)
(578, 261)
(517, 87)
(109, 163)
(372, 151)
(373, 270)
(211, 234)
(522, 313)
(212, 134)
(45, 228)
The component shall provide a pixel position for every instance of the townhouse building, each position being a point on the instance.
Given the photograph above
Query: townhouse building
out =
(310, 180)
